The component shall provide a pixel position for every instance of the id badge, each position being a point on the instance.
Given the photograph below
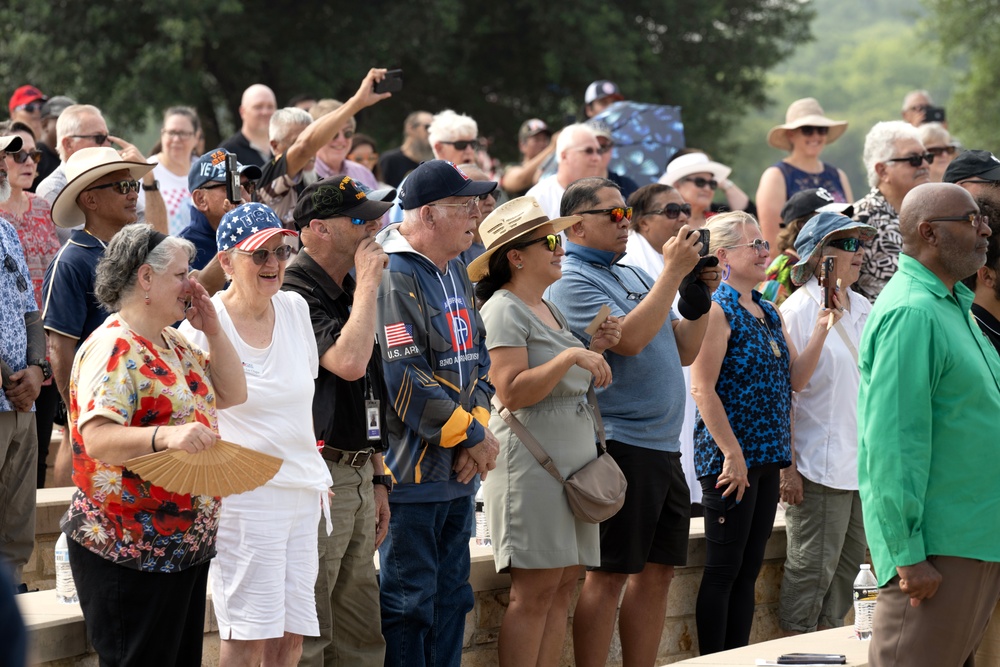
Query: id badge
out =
(253, 369)
(372, 420)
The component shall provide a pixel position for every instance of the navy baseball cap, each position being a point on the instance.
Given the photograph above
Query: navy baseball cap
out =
(211, 168)
(437, 179)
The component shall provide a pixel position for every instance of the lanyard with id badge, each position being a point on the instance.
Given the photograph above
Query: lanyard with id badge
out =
(373, 425)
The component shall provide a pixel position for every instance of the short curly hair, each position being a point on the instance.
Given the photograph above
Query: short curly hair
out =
(117, 272)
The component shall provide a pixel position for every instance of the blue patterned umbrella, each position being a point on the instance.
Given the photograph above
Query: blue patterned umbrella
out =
(646, 137)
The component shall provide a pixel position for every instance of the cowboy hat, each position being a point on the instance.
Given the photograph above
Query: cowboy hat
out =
(801, 113)
(510, 221)
(83, 168)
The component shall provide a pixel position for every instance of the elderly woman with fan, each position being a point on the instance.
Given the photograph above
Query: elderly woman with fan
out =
(263, 577)
(140, 553)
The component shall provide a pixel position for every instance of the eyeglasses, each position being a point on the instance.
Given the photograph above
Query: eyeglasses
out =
(974, 219)
(99, 139)
(700, 182)
(248, 185)
(914, 160)
(590, 150)
(22, 156)
(11, 266)
(672, 211)
(121, 187)
(848, 244)
(553, 241)
(629, 294)
(938, 151)
(981, 182)
(809, 130)
(757, 245)
(617, 213)
(261, 255)
(177, 134)
(30, 107)
(462, 145)
(471, 206)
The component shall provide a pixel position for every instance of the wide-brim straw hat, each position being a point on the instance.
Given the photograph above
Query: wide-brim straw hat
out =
(83, 168)
(801, 113)
(816, 233)
(693, 163)
(510, 221)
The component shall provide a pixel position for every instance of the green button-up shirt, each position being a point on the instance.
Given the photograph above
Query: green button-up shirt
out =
(928, 417)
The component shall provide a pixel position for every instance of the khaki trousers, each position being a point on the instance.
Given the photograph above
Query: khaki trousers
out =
(18, 463)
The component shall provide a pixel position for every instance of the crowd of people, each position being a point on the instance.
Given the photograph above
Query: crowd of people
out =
(402, 327)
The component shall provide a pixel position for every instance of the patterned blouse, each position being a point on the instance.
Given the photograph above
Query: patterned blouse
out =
(755, 387)
(38, 238)
(121, 376)
(882, 253)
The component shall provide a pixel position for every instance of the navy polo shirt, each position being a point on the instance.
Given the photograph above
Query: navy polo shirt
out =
(201, 234)
(69, 306)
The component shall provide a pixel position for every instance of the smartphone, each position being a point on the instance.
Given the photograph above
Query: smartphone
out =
(827, 281)
(933, 114)
(392, 83)
(704, 236)
(233, 193)
(812, 659)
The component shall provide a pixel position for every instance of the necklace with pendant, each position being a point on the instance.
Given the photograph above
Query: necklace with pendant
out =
(761, 322)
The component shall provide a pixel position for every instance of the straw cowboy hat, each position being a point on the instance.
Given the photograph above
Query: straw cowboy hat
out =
(801, 113)
(510, 221)
(83, 168)
(693, 163)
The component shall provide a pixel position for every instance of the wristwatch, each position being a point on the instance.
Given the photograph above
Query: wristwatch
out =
(151, 188)
(44, 365)
(384, 480)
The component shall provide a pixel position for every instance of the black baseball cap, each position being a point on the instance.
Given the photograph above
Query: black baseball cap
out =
(437, 179)
(809, 202)
(973, 164)
(335, 197)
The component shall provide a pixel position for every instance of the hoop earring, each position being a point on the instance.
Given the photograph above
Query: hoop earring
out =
(725, 274)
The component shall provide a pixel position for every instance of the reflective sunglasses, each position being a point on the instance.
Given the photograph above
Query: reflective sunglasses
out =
(938, 151)
(700, 182)
(672, 211)
(552, 241)
(809, 130)
(22, 156)
(757, 245)
(848, 244)
(121, 187)
(617, 213)
(261, 255)
(99, 139)
(462, 145)
(11, 266)
(914, 160)
(974, 219)
(30, 107)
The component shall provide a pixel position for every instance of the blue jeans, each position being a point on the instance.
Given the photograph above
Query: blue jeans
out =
(425, 583)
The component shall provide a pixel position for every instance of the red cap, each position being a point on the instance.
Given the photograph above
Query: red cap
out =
(25, 95)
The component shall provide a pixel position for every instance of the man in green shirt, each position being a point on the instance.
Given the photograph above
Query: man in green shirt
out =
(928, 447)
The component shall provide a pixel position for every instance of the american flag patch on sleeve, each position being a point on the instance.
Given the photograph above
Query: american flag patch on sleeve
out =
(398, 334)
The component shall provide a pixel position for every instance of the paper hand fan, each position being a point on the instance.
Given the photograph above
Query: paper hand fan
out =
(224, 469)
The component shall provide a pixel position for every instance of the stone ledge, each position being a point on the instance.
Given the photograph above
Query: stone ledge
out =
(837, 640)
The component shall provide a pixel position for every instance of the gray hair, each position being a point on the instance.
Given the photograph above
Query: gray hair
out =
(569, 137)
(117, 272)
(880, 144)
(283, 120)
(70, 121)
(934, 133)
(583, 193)
(914, 93)
(449, 126)
(727, 229)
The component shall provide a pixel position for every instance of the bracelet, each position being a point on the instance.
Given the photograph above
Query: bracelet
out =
(152, 442)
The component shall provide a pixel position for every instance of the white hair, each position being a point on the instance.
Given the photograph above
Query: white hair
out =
(934, 133)
(69, 123)
(449, 126)
(284, 120)
(915, 93)
(570, 136)
(880, 144)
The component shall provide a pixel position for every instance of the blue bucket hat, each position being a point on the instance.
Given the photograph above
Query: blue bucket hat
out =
(815, 234)
(248, 227)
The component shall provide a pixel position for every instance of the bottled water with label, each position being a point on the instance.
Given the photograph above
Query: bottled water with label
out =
(65, 586)
(482, 530)
(865, 595)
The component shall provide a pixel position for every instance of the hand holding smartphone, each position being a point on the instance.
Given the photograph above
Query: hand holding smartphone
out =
(828, 280)
(392, 83)
(233, 193)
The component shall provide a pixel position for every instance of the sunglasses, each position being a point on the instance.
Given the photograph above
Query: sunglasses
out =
(99, 139)
(809, 130)
(848, 244)
(700, 182)
(914, 160)
(11, 266)
(552, 241)
(617, 213)
(590, 150)
(23, 156)
(121, 187)
(345, 133)
(938, 151)
(757, 245)
(261, 255)
(248, 185)
(462, 145)
(30, 107)
(974, 219)
(491, 193)
(672, 211)
(605, 149)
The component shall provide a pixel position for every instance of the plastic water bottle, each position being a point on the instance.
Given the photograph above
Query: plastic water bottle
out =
(865, 595)
(65, 586)
(482, 530)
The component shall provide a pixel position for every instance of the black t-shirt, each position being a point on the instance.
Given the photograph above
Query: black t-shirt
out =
(395, 166)
(49, 163)
(245, 153)
(339, 416)
(988, 323)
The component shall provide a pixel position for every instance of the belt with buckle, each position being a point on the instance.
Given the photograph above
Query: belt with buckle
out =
(357, 459)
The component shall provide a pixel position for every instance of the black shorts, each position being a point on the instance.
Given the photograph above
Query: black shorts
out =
(655, 521)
